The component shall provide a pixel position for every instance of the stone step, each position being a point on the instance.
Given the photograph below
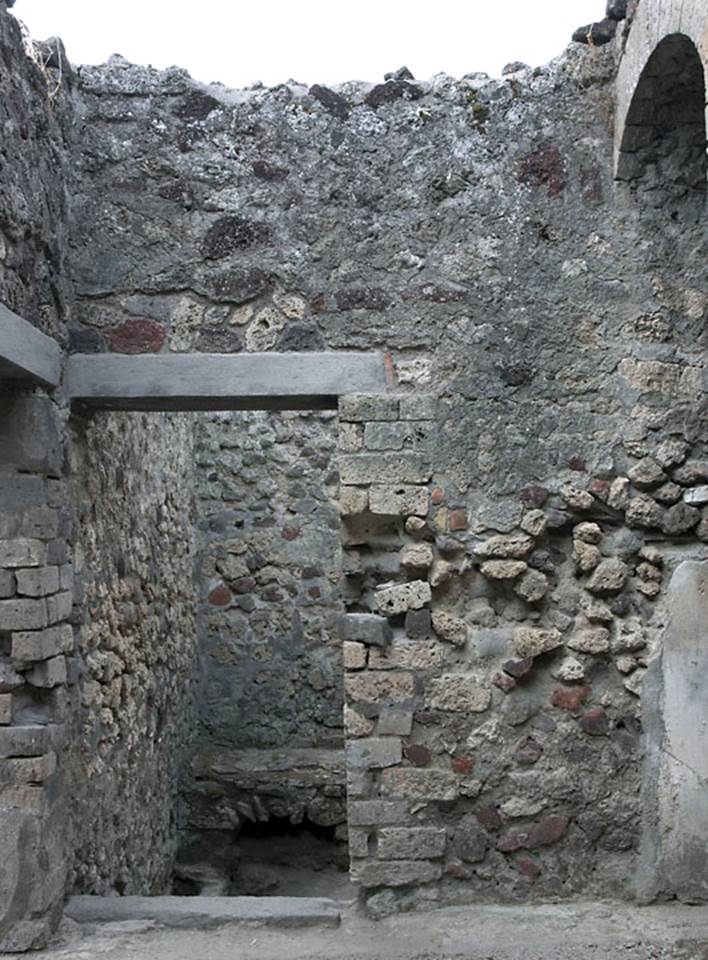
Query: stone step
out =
(203, 912)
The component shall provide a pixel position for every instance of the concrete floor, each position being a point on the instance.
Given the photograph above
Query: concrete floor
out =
(579, 931)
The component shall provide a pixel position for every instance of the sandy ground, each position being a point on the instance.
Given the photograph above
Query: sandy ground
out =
(580, 931)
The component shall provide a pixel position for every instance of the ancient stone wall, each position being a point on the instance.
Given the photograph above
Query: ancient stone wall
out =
(269, 731)
(557, 318)
(36, 115)
(132, 699)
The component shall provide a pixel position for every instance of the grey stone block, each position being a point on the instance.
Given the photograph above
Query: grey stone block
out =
(38, 582)
(423, 407)
(32, 645)
(59, 606)
(31, 741)
(361, 408)
(374, 752)
(367, 628)
(8, 584)
(373, 813)
(398, 500)
(31, 434)
(414, 843)
(23, 552)
(23, 614)
(397, 873)
(48, 673)
(384, 468)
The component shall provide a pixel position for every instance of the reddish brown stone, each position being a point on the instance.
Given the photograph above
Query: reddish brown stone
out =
(220, 596)
(576, 463)
(389, 369)
(533, 495)
(529, 868)
(418, 755)
(512, 840)
(504, 682)
(544, 167)
(464, 765)
(290, 533)
(547, 831)
(518, 668)
(244, 585)
(528, 753)
(315, 593)
(594, 722)
(437, 497)
(137, 336)
(570, 698)
(600, 488)
(453, 868)
(489, 817)
(458, 520)
(318, 304)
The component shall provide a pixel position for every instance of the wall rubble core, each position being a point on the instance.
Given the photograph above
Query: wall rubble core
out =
(460, 599)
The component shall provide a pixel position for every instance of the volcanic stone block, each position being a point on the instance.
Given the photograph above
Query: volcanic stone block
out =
(397, 873)
(367, 628)
(398, 501)
(419, 784)
(419, 407)
(384, 468)
(359, 408)
(23, 614)
(59, 606)
(402, 597)
(22, 553)
(5, 708)
(609, 577)
(38, 581)
(407, 655)
(30, 741)
(48, 673)
(457, 693)
(354, 655)
(450, 628)
(31, 645)
(384, 687)
(374, 752)
(414, 843)
(373, 813)
(533, 641)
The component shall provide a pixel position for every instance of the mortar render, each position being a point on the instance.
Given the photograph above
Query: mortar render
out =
(269, 741)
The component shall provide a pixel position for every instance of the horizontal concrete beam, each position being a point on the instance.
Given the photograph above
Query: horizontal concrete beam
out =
(26, 353)
(211, 381)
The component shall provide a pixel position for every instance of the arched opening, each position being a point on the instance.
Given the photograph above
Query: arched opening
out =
(663, 148)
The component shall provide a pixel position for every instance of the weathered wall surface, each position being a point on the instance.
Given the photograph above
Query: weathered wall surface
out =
(271, 677)
(132, 702)
(36, 116)
(560, 320)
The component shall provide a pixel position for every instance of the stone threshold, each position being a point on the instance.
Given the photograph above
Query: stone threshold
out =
(206, 912)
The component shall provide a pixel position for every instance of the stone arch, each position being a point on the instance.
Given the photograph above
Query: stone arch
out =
(661, 95)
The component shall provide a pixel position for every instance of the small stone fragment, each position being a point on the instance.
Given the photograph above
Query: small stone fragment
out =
(569, 670)
(618, 496)
(398, 598)
(646, 474)
(534, 522)
(503, 569)
(547, 831)
(696, 496)
(505, 547)
(594, 722)
(417, 556)
(643, 511)
(532, 586)
(609, 577)
(590, 640)
(586, 556)
(533, 641)
(630, 636)
(504, 682)
(450, 628)
(518, 668)
(680, 519)
(441, 572)
(633, 683)
(569, 698)
(587, 532)
(575, 497)
(668, 493)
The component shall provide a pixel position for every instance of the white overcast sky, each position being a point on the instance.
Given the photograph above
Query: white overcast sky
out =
(326, 41)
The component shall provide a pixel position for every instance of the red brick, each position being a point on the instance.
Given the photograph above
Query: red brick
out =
(570, 698)
(137, 336)
(458, 520)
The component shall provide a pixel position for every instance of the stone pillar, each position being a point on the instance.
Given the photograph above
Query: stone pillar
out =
(389, 650)
(36, 596)
(676, 792)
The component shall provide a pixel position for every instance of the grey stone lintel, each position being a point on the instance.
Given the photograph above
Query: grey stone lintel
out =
(211, 381)
(26, 353)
